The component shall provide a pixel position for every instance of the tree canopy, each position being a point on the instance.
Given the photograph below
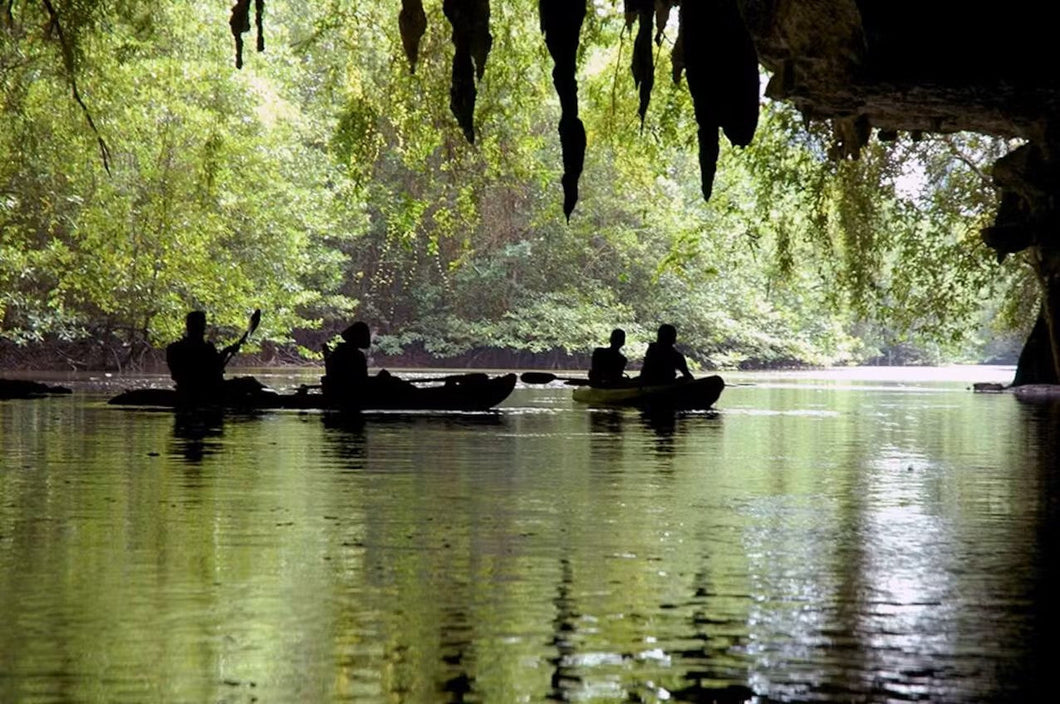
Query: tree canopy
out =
(325, 180)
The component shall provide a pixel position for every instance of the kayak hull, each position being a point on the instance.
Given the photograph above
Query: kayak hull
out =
(695, 395)
(473, 395)
(22, 389)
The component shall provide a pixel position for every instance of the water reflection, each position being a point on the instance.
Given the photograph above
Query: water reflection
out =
(346, 434)
(197, 434)
(606, 438)
(1042, 432)
(456, 640)
(344, 439)
(606, 424)
(564, 681)
(663, 424)
(818, 545)
(608, 428)
(344, 422)
(668, 426)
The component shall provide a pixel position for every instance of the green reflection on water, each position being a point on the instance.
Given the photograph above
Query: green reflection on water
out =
(810, 541)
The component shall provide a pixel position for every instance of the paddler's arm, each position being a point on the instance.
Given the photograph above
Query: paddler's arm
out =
(682, 366)
(225, 356)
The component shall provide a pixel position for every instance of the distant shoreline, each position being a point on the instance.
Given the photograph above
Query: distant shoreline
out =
(92, 356)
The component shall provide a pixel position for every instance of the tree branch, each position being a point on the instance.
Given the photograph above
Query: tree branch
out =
(956, 153)
(68, 63)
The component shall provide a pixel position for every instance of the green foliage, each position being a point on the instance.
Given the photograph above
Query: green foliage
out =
(325, 180)
(219, 195)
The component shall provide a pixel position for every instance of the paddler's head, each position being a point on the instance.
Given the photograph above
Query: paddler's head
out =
(667, 334)
(358, 335)
(618, 338)
(195, 325)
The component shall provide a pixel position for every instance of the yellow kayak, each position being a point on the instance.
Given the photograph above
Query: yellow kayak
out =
(682, 394)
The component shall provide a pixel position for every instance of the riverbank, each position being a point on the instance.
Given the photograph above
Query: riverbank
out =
(115, 357)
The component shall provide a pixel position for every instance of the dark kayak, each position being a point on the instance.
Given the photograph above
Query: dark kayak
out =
(694, 395)
(19, 388)
(472, 392)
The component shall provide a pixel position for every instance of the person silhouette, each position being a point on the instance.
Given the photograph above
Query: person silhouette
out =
(662, 361)
(608, 363)
(346, 367)
(195, 365)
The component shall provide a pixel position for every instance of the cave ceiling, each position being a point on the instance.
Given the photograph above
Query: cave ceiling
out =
(869, 66)
(913, 66)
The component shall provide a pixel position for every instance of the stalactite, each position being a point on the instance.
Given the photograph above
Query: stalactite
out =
(259, 12)
(643, 62)
(481, 39)
(412, 23)
(722, 68)
(737, 65)
(239, 22)
(561, 23)
(677, 54)
(712, 47)
(471, 43)
(662, 16)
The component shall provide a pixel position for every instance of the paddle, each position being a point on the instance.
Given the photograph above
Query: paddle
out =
(230, 351)
(549, 377)
(471, 376)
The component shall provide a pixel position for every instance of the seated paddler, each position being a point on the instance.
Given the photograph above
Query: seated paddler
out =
(195, 365)
(346, 378)
(608, 364)
(662, 362)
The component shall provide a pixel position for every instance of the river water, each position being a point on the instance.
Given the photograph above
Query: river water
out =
(841, 536)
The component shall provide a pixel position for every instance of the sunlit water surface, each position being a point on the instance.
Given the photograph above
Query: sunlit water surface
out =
(846, 536)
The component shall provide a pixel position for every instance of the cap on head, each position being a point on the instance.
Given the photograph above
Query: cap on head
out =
(618, 337)
(667, 334)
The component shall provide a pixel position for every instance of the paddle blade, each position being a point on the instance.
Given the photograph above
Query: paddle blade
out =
(538, 377)
(255, 320)
(469, 378)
